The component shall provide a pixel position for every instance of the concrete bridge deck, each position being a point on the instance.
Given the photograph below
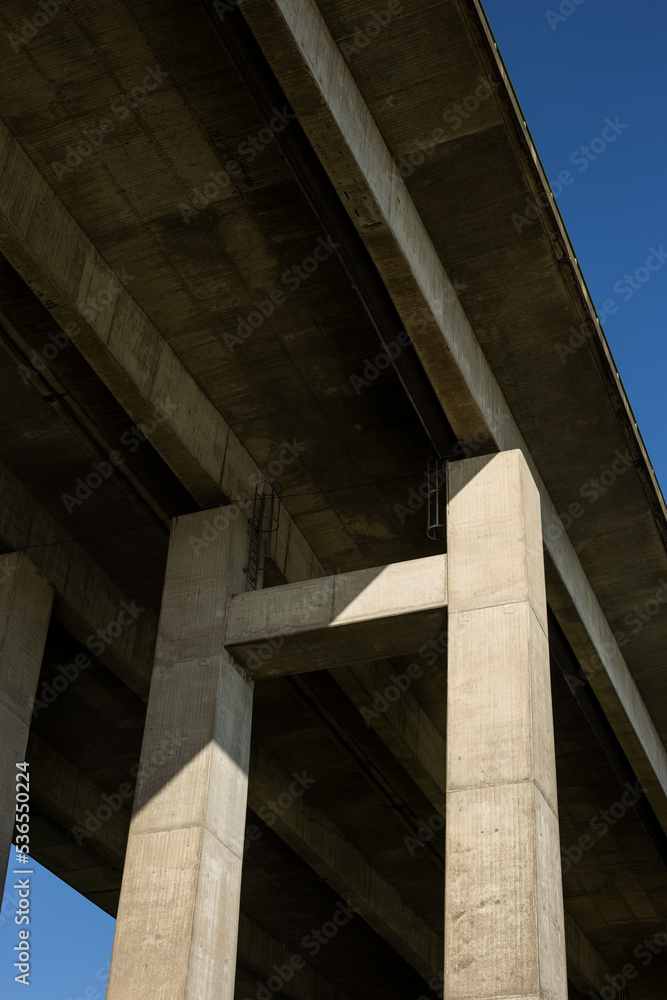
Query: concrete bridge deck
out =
(217, 221)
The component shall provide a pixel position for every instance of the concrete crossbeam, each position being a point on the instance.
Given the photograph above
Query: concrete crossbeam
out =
(26, 598)
(86, 599)
(503, 870)
(177, 926)
(334, 115)
(327, 622)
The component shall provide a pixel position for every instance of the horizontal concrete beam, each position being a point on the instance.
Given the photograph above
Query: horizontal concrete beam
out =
(334, 115)
(66, 795)
(50, 251)
(312, 835)
(318, 624)
(86, 599)
(585, 965)
(402, 724)
(261, 954)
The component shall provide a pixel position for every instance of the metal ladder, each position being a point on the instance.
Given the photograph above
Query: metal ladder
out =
(263, 531)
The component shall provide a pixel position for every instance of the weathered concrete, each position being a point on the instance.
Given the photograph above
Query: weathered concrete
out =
(86, 599)
(66, 794)
(71, 798)
(128, 352)
(323, 623)
(585, 965)
(25, 608)
(297, 42)
(504, 934)
(177, 922)
(313, 835)
(291, 380)
(402, 724)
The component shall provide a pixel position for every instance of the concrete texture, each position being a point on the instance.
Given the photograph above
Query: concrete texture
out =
(147, 376)
(85, 598)
(69, 796)
(586, 967)
(26, 599)
(337, 119)
(178, 913)
(314, 383)
(504, 932)
(323, 623)
(317, 839)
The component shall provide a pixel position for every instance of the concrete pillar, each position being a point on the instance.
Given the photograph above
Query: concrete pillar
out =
(26, 598)
(177, 924)
(504, 933)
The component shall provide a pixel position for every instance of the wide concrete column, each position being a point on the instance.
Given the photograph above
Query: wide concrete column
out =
(177, 923)
(504, 933)
(26, 598)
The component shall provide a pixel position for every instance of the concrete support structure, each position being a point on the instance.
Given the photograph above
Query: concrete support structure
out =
(504, 932)
(327, 622)
(85, 597)
(341, 128)
(177, 928)
(26, 599)
(314, 836)
(281, 258)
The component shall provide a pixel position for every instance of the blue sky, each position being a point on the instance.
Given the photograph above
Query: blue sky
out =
(572, 71)
(603, 60)
(70, 940)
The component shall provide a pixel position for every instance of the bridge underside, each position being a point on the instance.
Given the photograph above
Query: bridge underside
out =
(282, 243)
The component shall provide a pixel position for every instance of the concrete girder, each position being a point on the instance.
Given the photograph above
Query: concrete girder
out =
(403, 725)
(322, 91)
(259, 952)
(331, 621)
(86, 599)
(585, 965)
(69, 797)
(315, 838)
(365, 614)
(53, 255)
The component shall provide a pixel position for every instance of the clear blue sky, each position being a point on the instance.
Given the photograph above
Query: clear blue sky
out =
(70, 938)
(605, 60)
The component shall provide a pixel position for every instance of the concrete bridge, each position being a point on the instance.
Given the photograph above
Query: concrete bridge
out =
(311, 246)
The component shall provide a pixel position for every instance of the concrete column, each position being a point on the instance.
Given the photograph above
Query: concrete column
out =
(177, 923)
(26, 599)
(504, 933)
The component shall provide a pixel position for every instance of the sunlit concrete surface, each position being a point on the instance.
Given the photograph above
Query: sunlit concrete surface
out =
(248, 243)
